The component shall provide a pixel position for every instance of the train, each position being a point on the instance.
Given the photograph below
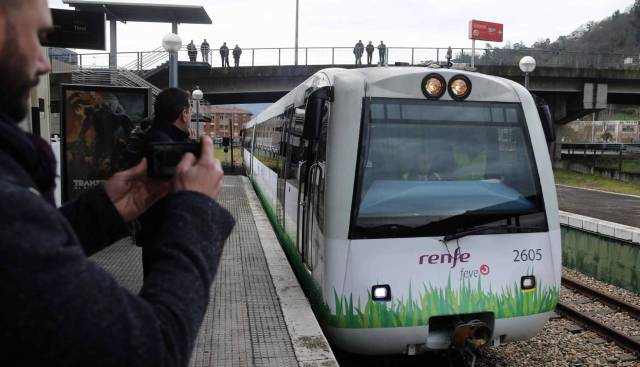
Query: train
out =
(416, 205)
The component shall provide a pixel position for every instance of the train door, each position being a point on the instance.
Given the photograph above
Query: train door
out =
(285, 158)
(311, 202)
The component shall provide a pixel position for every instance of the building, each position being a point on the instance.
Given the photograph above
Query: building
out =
(223, 121)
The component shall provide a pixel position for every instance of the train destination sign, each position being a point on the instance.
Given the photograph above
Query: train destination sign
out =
(77, 29)
(485, 31)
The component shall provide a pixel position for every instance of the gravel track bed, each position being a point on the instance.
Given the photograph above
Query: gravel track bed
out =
(627, 296)
(620, 321)
(556, 346)
(562, 343)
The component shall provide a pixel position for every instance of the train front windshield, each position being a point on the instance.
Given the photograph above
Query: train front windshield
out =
(435, 168)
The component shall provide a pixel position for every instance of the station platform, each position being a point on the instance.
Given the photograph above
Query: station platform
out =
(611, 207)
(258, 314)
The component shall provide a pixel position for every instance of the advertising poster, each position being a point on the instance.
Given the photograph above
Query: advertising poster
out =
(96, 122)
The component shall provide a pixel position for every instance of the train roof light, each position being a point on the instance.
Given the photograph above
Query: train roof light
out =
(459, 87)
(433, 86)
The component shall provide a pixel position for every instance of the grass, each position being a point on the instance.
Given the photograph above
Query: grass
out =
(237, 155)
(442, 301)
(628, 165)
(571, 178)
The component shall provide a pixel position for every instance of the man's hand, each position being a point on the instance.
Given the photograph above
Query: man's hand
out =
(192, 133)
(203, 176)
(132, 192)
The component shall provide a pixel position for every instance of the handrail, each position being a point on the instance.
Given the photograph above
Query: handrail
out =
(340, 55)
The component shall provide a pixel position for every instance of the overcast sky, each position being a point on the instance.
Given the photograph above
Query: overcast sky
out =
(417, 23)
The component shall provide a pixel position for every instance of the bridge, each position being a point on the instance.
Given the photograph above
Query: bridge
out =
(574, 84)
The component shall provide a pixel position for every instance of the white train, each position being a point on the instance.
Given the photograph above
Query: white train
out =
(416, 205)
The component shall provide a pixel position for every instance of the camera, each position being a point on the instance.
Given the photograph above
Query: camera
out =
(162, 158)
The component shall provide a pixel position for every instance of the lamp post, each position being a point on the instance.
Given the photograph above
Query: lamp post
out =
(197, 97)
(172, 43)
(527, 65)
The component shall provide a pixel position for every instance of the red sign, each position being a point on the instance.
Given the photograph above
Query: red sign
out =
(485, 31)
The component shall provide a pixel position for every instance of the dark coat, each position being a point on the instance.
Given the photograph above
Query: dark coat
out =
(370, 49)
(191, 49)
(237, 51)
(60, 309)
(166, 134)
(224, 51)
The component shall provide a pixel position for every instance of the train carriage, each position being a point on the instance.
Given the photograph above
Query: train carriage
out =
(417, 205)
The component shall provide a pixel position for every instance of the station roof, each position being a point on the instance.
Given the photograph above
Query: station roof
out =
(142, 12)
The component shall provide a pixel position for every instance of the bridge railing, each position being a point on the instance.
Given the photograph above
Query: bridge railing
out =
(619, 161)
(148, 60)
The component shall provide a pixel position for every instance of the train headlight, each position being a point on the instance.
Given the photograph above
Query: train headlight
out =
(528, 283)
(381, 293)
(459, 87)
(433, 86)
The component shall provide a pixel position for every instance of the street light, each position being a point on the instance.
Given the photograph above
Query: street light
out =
(197, 97)
(527, 65)
(172, 43)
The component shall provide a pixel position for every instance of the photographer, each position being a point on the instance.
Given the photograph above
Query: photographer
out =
(170, 124)
(172, 117)
(58, 308)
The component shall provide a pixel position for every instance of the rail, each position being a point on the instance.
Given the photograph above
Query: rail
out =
(607, 332)
(285, 56)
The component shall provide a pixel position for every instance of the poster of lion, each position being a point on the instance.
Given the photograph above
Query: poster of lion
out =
(96, 123)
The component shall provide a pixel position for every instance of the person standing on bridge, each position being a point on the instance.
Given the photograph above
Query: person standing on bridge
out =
(59, 308)
(224, 54)
(382, 50)
(192, 51)
(237, 51)
(358, 50)
(204, 49)
(370, 48)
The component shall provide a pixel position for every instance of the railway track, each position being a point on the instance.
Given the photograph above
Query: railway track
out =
(607, 332)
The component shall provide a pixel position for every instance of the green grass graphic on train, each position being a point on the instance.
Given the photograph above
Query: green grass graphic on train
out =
(442, 301)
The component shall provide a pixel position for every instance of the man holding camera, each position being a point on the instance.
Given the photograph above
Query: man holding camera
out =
(58, 308)
(172, 117)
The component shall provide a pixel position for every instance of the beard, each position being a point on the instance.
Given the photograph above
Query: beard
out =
(15, 83)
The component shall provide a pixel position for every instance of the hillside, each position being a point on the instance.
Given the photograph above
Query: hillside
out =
(618, 33)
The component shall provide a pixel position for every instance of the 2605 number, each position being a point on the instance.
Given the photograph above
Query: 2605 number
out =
(527, 255)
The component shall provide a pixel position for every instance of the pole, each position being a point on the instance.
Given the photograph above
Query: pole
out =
(173, 70)
(198, 118)
(526, 80)
(296, 57)
(113, 37)
(233, 118)
(173, 61)
(473, 53)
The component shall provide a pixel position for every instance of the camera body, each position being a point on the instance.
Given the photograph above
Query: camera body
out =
(162, 158)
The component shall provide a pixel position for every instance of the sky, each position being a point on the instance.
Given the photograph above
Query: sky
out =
(408, 23)
(341, 23)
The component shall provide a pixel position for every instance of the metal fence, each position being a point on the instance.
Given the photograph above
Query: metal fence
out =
(617, 159)
(148, 60)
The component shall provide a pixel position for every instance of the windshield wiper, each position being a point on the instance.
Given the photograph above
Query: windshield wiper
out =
(388, 226)
(457, 235)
